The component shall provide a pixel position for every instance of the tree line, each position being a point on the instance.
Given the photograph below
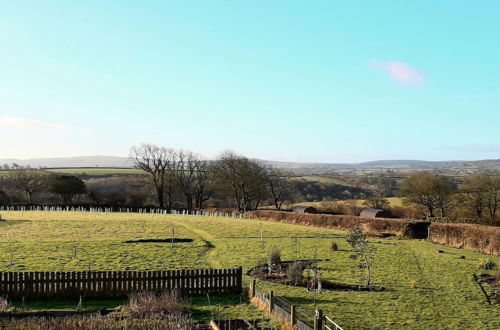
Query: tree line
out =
(169, 176)
(183, 179)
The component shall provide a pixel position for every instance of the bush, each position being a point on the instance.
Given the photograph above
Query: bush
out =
(334, 247)
(294, 272)
(274, 257)
(486, 264)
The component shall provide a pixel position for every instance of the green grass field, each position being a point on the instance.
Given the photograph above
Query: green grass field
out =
(96, 171)
(445, 296)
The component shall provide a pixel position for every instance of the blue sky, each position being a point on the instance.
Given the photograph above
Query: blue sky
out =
(319, 81)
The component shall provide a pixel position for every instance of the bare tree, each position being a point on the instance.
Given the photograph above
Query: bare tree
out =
(28, 182)
(246, 178)
(204, 182)
(185, 167)
(158, 163)
(430, 190)
(280, 187)
(360, 245)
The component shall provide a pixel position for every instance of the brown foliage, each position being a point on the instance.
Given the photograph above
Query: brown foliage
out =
(480, 238)
(399, 227)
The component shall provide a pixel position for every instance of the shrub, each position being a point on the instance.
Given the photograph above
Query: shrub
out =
(294, 272)
(144, 304)
(486, 264)
(334, 247)
(274, 257)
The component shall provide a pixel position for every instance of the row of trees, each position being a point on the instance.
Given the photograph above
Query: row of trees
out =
(29, 182)
(248, 181)
(479, 193)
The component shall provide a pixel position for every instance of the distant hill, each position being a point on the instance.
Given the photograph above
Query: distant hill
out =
(83, 161)
(294, 167)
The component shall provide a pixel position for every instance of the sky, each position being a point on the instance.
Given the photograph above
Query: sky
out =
(310, 81)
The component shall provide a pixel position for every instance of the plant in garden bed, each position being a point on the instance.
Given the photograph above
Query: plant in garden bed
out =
(360, 245)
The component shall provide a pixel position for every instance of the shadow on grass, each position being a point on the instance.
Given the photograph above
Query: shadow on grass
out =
(12, 222)
(67, 304)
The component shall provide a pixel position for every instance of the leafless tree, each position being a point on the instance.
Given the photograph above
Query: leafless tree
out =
(204, 186)
(430, 190)
(185, 167)
(280, 188)
(28, 182)
(158, 162)
(246, 178)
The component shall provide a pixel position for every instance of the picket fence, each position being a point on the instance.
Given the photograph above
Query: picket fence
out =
(118, 209)
(115, 284)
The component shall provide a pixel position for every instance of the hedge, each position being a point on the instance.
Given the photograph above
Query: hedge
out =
(398, 227)
(480, 238)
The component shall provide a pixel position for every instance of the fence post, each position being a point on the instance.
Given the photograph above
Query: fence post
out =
(252, 289)
(293, 315)
(271, 301)
(318, 320)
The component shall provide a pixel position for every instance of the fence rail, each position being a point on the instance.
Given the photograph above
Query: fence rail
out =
(114, 284)
(291, 313)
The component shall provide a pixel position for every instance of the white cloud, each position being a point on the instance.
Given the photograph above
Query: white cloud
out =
(30, 124)
(400, 72)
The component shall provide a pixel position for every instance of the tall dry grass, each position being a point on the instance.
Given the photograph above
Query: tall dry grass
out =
(485, 239)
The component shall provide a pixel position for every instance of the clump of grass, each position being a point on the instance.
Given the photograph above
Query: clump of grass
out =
(4, 304)
(144, 304)
(101, 322)
(486, 264)
(413, 284)
(334, 247)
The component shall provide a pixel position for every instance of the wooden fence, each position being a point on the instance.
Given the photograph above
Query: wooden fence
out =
(115, 284)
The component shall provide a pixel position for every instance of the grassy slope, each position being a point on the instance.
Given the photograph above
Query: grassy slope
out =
(321, 179)
(445, 297)
(393, 201)
(96, 171)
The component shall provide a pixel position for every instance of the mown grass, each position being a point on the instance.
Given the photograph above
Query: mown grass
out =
(424, 289)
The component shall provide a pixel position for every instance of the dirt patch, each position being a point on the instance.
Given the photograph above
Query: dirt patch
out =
(161, 240)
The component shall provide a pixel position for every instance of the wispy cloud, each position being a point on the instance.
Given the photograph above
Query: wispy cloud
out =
(400, 72)
(30, 124)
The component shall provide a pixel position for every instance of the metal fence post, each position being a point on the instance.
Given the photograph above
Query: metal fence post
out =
(271, 301)
(252, 289)
(293, 315)
(318, 320)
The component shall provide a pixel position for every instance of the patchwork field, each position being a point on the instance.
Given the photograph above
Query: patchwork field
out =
(424, 289)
